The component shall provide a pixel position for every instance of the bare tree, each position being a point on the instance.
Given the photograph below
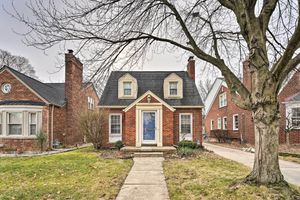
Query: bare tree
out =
(204, 87)
(289, 126)
(18, 63)
(218, 32)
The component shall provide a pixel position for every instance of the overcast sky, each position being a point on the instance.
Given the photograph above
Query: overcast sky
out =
(46, 63)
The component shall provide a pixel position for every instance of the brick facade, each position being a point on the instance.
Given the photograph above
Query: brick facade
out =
(63, 126)
(246, 125)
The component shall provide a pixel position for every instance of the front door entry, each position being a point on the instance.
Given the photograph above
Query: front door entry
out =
(149, 127)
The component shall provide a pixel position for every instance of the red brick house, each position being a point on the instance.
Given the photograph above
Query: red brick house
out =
(157, 108)
(28, 106)
(221, 113)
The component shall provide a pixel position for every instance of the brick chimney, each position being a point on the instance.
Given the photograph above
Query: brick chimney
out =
(191, 67)
(247, 75)
(73, 92)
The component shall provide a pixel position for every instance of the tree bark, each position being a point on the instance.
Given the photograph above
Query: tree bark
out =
(266, 164)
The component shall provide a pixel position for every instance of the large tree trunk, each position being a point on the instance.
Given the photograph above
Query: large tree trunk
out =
(266, 164)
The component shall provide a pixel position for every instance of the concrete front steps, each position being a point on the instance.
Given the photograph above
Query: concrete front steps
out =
(148, 154)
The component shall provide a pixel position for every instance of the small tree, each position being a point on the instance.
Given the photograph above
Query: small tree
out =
(92, 125)
(41, 140)
(288, 128)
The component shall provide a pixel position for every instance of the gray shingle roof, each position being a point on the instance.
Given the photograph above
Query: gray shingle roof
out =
(153, 81)
(31, 103)
(52, 92)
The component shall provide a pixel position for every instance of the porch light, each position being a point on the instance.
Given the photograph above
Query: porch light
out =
(149, 98)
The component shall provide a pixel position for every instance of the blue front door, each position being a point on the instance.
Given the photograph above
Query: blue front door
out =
(148, 127)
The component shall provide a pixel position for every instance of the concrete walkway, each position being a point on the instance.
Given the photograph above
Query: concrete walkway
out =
(290, 170)
(145, 181)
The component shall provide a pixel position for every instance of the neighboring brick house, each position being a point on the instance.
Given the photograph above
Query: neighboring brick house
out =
(157, 108)
(222, 113)
(28, 106)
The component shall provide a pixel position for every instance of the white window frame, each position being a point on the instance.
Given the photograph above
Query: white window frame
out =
(289, 107)
(91, 104)
(225, 128)
(233, 122)
(25, 110)
(188, 136)
(219, 123)
(127, 95)
(176, 83)
(29, 123)
(212, 124)
(8, 124)
(222, 100)
(294, 127)
(1, 122)
(115, 137)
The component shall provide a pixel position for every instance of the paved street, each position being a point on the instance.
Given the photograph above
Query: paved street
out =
(290, 170)
(145, 181)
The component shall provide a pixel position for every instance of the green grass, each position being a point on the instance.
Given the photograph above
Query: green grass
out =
(211, 177)
(80, 174)
(292, 157)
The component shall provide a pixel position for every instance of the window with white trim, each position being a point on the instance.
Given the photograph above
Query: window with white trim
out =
(219, 123)
(115, 127)
(91, 103)
(173, 88)
(127, 88)
(212, 124)
(32, 118)
(222, 100)
(295, 117)
(15, 123)
(185, 125)
(225, 123)
(235, 122)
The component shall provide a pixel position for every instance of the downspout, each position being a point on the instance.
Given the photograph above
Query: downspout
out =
(52, 126)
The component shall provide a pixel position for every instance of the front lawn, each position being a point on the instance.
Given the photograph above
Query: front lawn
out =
(80, 174)
(211, 177)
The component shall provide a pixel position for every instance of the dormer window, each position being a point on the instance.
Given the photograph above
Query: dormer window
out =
(222, 100)
(173, 88)
(127, 88)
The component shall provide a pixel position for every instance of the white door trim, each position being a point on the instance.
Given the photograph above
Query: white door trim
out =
(156, 125)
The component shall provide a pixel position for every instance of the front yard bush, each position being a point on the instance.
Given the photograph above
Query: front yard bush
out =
(185, 151)
(92, 125)
(119, 144)
(187, 143)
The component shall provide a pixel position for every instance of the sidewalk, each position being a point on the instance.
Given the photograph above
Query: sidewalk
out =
(290, 170)
(145, 181)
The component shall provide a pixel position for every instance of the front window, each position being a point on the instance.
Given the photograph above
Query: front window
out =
(173, 88)
(212, 125)
(115, 124)
(219, 123)
(222, 100)
(235, 123)
(32, 123)
(91, 103)
(15, 123)
(296, 117)
(186, 126)
(225, 123)
(127, 88)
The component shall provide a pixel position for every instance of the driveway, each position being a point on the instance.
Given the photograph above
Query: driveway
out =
(290, 170)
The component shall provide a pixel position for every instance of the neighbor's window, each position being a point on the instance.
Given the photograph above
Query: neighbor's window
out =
(296, 117)
(212, 124)
(173, 88)
(225, 123)
(115, 124)
(15, 123)
(91, 103)
(32, 123)
(186, 124)
(222, 100)
(235, 122)
(127, 88)
(219, 123)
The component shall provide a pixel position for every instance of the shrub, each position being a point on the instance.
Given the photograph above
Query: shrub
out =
(92, 125)
(41, 138)
(185, 151)
(119, 144)
(187, 143)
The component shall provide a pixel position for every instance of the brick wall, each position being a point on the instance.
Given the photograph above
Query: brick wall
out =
(168, 127)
